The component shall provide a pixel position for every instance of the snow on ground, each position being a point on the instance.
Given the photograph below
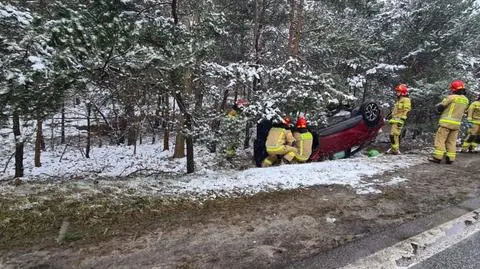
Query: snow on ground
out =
(153, 172)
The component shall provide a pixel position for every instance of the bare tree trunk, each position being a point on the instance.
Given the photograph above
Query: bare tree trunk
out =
(131, 125)
(174, 12)
(198, 98)
(176, 75)
(246, 142)
(87, 149)
(52, 134)
(298, 32)
(134, 148)
(291, 29)
(156, 121)
(99, 131)
(257, 48)
(38, 143)
(18, 146)
(364, 96)
(190, 160)
(165, 122)
(176, 78)
(166, 138)
(259, 17)
(179, 151)
(62, 125)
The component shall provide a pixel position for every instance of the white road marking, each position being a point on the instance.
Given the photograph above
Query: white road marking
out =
(416, 249)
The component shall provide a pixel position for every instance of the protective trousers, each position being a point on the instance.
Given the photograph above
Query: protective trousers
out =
(395, 132)
(472, 139)
(445, 142)
(283, 151)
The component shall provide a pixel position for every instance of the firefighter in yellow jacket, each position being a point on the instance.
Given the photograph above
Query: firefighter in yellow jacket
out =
(452, 108)
(399, 115)
(233, 131)
(303, 141)
(473, 138)
(279, 142)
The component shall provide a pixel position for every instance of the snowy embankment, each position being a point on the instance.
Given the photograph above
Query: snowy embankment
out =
(153, 172)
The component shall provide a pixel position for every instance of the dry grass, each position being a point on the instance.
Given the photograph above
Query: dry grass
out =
(35, 221)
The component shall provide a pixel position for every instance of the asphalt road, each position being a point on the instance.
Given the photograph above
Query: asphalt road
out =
(463, 255)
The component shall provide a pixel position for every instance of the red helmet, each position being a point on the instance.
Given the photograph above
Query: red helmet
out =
(287, 120)
(241, 102)
(457, 85)
(301, 123)
(401, 89)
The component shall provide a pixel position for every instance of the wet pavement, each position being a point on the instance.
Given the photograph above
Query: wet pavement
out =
(463, 255)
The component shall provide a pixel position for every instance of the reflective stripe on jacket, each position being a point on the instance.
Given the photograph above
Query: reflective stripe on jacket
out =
(277, 138)
(455, 105)
(303, 142)
(400, 110)
(474, 113)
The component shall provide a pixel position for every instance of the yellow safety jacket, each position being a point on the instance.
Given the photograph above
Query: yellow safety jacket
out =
(303, 142)
(277, 138)
(454, 107)
(400, 110)
(232, 114)
(473, 115)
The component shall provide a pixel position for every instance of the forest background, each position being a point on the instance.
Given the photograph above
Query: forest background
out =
(138, 70)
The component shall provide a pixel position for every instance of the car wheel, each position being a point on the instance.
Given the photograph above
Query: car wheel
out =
(371, 113)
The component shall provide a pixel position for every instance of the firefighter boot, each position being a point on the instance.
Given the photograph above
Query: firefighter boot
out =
(447, 160)
(434, 160)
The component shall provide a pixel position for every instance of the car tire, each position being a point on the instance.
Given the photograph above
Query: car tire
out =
(371, 113)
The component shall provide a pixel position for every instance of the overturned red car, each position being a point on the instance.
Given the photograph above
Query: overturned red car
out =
(347, 134)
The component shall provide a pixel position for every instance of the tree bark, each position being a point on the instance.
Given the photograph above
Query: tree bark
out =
(298, 31)
(198, 98)
(179, 151)
(131, 125)
(291, 28)
(52, 133)
(296, 25)
(259, 17)
(257, 48)
(174, 12)
(165, 122)
(190, 160)
(176, 76)
(188, 125)
(246, 143)
(38, 143)
(62, 125)
(87, 149)
(18, 146)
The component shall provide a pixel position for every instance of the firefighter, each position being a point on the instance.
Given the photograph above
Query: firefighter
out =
(303, 141)
(233, 130)
(451, 108)
(473, 138)
(399, 115)
(279, 142)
